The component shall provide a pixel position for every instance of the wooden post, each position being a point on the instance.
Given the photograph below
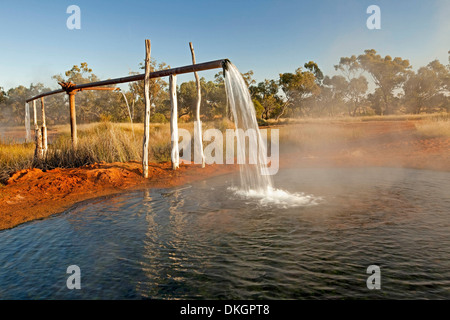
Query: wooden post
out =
(27, 122)
(37, 135)
(198, 144)
(44, 128)
(175, 155)
(73, 118)
(38, 152)
(147, 109)
(35, 115)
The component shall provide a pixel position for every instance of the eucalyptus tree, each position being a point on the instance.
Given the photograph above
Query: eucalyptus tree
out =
(297, 88)
(266, 94)
(388, 75)
(428, 90)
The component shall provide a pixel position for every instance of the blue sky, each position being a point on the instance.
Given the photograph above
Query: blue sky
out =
(268, 37)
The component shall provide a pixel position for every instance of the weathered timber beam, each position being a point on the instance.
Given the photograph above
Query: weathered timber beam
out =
(157, 74)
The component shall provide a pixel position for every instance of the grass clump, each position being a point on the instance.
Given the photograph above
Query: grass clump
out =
(14, 157)
(103, 142)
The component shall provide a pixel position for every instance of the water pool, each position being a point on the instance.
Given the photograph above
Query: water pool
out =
(207, 241)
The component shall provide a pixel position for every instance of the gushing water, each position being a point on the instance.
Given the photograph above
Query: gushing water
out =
(254, 176)
(256, 182)
(27, 122)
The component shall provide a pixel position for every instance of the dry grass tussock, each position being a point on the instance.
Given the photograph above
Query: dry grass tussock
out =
(97, 142)
(432, 128)
(13, 157)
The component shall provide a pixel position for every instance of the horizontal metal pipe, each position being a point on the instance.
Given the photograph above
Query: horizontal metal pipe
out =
(157, 74)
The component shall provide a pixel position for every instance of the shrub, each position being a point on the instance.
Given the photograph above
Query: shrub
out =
(158, 118)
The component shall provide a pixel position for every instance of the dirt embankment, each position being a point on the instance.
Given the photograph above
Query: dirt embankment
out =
(34, 194)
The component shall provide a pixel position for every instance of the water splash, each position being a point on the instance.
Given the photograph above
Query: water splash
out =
(278, 198)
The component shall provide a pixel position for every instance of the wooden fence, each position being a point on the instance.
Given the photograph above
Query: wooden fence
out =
(71, 89)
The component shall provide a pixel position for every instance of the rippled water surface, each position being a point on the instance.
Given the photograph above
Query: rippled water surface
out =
(205, 240)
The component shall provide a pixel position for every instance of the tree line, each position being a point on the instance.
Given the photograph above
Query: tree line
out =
(397, 89)
(306, 92)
